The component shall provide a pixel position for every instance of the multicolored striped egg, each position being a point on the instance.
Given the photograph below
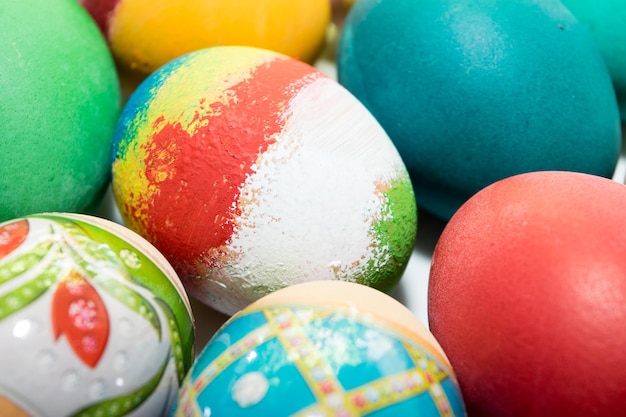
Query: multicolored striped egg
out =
(93, 321)
(145, 34)
(322, 349)
(251, 171)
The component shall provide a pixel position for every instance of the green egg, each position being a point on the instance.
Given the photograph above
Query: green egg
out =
(59, 102)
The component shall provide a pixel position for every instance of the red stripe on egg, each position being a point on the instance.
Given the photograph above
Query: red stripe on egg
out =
(199, 175)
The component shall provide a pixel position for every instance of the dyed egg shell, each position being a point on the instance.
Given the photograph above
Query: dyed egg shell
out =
(251, 171)
(145, 34)
(93, 320)
(59, 103)
(606, 21)
(326, 348)
(527, 296)
(475, 92)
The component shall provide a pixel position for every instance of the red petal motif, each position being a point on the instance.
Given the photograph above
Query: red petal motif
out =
(79, 313)
(12, 235)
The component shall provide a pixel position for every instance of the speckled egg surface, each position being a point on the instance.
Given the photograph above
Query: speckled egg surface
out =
(475, 91)
(145, 34)
(322, 349)
(59, 102)
(250, 171)
(93, 321)
(606, 21)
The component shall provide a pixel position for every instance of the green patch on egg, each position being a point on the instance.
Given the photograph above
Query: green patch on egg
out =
(393, 234)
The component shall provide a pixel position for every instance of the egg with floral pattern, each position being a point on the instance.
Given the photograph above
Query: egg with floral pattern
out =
(325, 348)
(93, 320)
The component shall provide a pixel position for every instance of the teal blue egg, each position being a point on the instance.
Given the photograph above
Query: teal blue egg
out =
(606, 21)
(472, 92)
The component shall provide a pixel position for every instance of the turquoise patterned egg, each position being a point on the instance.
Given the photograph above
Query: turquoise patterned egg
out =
(313, 360)
(93, 321)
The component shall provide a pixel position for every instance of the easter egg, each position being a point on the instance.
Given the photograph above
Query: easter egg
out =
(93, 320)
(325, 348)
(59, 103)
(250, 170)
(527, 296)
(474, 92)
(606, 21)
(145, 34)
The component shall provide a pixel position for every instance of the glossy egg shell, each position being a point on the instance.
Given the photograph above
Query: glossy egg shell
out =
(93, 320)
(251, 171)
(606, 21)
(473, 92)
(527, 296)
(325, 348)
(146, 34)
(59, 102)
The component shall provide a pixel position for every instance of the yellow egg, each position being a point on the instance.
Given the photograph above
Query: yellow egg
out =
(145, 34)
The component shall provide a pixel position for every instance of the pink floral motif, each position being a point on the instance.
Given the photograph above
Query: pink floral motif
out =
(430, 378)
(359, 400)
(327, 387)
(83, 314)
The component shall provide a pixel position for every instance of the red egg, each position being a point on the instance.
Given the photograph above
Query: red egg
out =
(527, 296)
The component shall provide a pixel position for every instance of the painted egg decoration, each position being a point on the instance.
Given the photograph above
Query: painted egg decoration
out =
(606, 21)
(93, 320)
(473, 92)
(59, 103)
(526, 296)
(325, 348)
(251, 171)
(145, 34)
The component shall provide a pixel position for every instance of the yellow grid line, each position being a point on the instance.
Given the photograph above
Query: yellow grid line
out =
(435, 373)
(318, 375)
(378, 394)
(392, 389)
(188, 406)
